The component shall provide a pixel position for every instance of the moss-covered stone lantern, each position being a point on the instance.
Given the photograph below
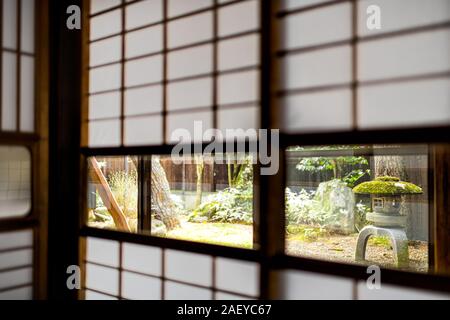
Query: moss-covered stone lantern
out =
(386, 193)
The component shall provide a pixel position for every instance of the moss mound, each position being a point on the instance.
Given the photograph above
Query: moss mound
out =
(387, 186)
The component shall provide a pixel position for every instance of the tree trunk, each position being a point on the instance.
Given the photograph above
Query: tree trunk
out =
(162, 203)
(390, 166)
(200, 168)
(107, 196)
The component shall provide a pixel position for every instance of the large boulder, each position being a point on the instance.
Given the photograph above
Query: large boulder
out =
(333, 206)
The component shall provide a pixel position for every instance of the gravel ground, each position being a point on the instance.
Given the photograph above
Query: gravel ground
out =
(341, 248)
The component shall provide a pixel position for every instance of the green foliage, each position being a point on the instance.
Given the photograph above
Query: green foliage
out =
(233, 205)
(305, 233)
(337, 165)
(123, 185)
(298, 207)
(387, 186)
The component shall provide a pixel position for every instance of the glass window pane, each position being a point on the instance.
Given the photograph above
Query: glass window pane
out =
(105, 78)
(139, 287)
(178, 291)
(14, 278)
(186, 123)
(16, 258)
(104, 133)
(16, 239)
(192, 197)
(25, 293)
(359, 204)
(102, 251)
(100, 5)
(15, 181)
(105, 105)
(103, 279)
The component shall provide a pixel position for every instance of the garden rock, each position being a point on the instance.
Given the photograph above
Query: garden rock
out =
(333, 205)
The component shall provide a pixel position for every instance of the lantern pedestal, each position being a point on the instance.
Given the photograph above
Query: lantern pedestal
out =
(389, 226)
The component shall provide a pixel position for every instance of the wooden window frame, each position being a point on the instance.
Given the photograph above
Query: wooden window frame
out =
(270, 189)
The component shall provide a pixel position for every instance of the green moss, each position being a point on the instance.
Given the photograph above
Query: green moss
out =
(387, 186)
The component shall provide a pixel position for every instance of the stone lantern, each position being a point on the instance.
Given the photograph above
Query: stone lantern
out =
(387, 195)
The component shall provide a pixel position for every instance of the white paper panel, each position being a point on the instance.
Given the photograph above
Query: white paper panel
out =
(143, 100)
(92, 295)
(237, 276)
(391, 292)
(177, 291)
(190, 30)
(105, 51)
(105, 78)
(319, 26)
(102, 251)
(192, 61)
(9, 24)
(16, 278)
(295, 4)
(105, 105)
(16, 239)
(139, 287)
(100, 5)
(239, 52)
(141, 258)
(188, 267)
(240, 17)
(404, 56)
(106, 24)
(143, 13)
(104, 133)
(16, 258)
(238, 118)
(326, 110)
(143, 71)
(318, 68)
(9, 91)
(179, 7)
(25, 293)
(144, 41)
(27, 25)
(418, 103)
(401, 14)
(102, 278)
(186, 122)
(302, 285)
(27, 94)
(143, 131)
(226, 296)
(238, 87)
(190, 94)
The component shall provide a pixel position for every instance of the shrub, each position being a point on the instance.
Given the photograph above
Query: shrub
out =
(233, 205)
(124, 188)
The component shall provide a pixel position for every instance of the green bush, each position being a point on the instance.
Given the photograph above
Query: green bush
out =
(233, 205)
